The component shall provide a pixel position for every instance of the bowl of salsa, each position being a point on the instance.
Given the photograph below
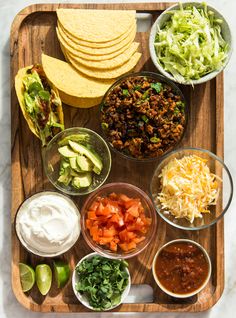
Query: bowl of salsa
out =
(181, 268)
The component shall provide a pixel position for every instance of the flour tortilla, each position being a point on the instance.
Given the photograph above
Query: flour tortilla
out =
(105, 74)
(71, 82)
(96, 25)
(75, 49)
(94, 44)
(107, 64)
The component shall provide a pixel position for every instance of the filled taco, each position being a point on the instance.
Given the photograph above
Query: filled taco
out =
(40, 102)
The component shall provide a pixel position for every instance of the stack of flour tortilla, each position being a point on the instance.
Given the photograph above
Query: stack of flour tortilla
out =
(98, 46)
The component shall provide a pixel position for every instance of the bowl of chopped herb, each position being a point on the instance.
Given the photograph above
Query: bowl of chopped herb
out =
(100, 283)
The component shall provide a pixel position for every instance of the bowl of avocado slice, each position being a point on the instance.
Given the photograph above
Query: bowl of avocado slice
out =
(77, 161)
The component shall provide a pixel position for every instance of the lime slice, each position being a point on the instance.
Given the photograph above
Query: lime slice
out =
(27, 277)
(62, 273)
(43, 274)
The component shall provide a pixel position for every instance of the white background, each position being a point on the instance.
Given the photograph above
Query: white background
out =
(9, 308)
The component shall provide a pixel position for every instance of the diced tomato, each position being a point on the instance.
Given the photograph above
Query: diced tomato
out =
(131, 245)
(123, 197)
(134, 210)
(88, 224)
(109, 232)
(100, 209)
(124, 236)
(106, 211)
(131, 202)
(104, 240)
(131, 235)
(115, 218)
(113, 207)
(94, 233)
(94, 205)
(129, 218)
(92, 215)
(117, 221)
(124, 246)
(113, 246)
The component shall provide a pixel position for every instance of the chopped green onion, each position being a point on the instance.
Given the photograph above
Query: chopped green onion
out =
(145, 119)
(145, 95)
(137, 87)
(157, 87)
(125, 92)
(155, 140)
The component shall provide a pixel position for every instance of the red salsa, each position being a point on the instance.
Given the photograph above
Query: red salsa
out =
(181, 267)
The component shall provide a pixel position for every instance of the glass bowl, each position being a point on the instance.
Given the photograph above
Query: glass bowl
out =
(189, 294)
(51, 159)
(158, 78)
(225, 187)
(34, 228)
(164, 17)
(83, 299)
(133, 192)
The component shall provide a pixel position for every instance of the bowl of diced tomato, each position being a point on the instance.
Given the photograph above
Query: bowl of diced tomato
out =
(118, 220)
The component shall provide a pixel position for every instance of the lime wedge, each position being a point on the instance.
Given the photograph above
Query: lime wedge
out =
(27, 277)
(62, 273)
(43, 274)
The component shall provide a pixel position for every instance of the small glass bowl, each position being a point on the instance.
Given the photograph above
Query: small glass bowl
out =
(51, 159)
(217, 211)
(158, 78)
(187, 294)
(83, 299)
(133, 192)
(20, 212)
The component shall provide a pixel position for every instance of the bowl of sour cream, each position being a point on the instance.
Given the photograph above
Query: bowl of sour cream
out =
(48, 224)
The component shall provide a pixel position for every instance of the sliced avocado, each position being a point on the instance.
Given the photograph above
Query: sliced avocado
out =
(65, 179)
(65, 151)
(84, 163)
(64, 168)
(73, 163)
(83, 181)
(64, 163)
(77, 138)
(74, 173)
(96, 160)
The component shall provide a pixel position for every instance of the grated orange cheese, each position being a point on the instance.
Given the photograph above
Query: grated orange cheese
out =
(188, 187)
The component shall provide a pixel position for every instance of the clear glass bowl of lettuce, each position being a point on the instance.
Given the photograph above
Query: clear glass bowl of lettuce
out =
(100, 283)
(77, 161)
(190, 43)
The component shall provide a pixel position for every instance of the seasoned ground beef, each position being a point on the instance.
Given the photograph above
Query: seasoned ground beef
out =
(143, 117)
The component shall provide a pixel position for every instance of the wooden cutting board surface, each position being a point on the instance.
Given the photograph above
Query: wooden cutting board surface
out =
(33, 32)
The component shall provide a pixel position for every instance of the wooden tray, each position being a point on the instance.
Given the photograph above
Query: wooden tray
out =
(33, 32)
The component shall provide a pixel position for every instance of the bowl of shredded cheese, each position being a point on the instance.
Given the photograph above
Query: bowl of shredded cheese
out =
(191, 188)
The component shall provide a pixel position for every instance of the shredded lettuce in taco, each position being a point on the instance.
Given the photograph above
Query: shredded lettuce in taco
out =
(42, 104)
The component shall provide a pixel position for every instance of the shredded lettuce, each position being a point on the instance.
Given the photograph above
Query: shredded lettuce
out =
(190, 44)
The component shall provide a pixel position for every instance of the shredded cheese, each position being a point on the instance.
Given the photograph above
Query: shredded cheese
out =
(188, 187)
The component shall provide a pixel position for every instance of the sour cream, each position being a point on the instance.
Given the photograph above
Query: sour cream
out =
(48, 223)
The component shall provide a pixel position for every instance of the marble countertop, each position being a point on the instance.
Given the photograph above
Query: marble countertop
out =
(9, 307)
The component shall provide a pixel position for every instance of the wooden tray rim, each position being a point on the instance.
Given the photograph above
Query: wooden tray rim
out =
(157, 6)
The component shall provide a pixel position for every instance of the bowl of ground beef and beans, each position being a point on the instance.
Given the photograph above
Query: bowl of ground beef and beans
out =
(143, 116)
